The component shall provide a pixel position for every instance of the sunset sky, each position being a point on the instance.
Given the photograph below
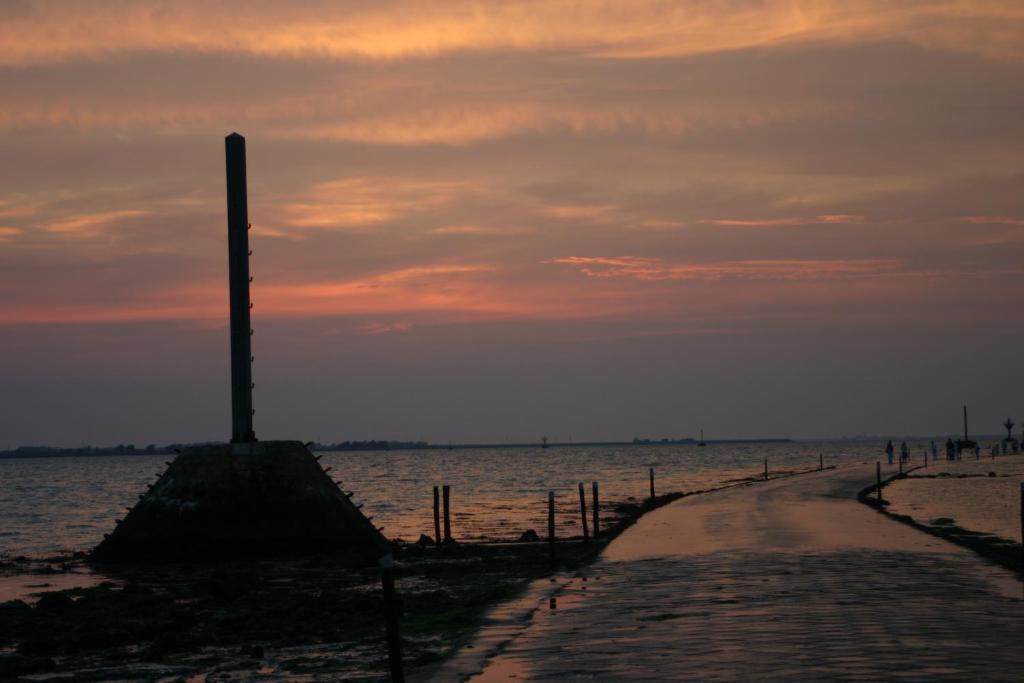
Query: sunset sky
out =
(496, 220)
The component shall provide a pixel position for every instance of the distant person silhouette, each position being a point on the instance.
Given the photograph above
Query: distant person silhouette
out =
(889, 450)
(949, 449)
(904, 452)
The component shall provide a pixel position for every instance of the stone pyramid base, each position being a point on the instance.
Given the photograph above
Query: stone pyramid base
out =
(264, 499)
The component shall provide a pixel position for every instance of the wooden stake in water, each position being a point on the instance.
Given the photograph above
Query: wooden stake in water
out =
(583, 514)
(651, 473)
(878, 476)
(437, 516)
(551, 526)
(387, 579)
(447, 490)
(594, 503)
(766, 469)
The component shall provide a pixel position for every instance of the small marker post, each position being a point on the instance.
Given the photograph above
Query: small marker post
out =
(551, 527)
(387, 579)
(821, 461)
(447, 490)
(583, 514)
(594, 503)
(651, 473)
(766, 469)
(878, 477)
(437, 516)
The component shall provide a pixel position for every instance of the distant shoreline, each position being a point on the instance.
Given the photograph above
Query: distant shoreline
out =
(26, 452)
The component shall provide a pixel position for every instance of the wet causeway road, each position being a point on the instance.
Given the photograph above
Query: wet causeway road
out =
(789, 579)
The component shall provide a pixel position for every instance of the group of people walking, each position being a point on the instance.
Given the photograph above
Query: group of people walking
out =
(953, 451)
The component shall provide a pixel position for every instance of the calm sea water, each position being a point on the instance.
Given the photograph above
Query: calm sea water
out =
(50, 505)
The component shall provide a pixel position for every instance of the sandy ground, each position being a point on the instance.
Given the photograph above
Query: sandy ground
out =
(792, 579)
(964, 493)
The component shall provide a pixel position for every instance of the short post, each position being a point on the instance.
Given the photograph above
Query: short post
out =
(583, 514)
(901, 464)
(651, 473)
(447, 490)
(437, 515)
(926, 458)
(551, 527)
(878, 476)
(594, 503)
(387, 579)
(766, 469)
(821, 461)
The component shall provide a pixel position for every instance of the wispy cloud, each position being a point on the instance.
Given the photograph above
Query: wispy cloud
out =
(825, 219)
(48, 32)
(992, 220)
(90, 224)
(385, 328)
(362, 202)
(653, 269)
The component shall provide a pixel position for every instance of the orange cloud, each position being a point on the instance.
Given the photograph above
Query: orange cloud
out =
(359, 203)
(442, 292)
(639, 29)
(89, 224)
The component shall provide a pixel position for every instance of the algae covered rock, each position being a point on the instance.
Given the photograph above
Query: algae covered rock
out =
(260, 499)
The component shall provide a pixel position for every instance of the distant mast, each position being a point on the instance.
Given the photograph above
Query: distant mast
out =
(238, 280)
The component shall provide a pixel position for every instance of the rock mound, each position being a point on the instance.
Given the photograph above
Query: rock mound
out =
(263, 499)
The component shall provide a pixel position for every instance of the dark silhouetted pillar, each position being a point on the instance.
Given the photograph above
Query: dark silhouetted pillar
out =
(238, 276)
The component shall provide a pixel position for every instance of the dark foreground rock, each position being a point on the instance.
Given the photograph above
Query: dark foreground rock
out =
(265, 499)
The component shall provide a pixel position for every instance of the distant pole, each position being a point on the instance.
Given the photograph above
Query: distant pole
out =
(437, 516)
(387, 579)
(651, 473)
(583, 514)
(551, 527)
(447, 490)
(901, 463)
(595, 503)
(821, 461)
(766, 469)
(238, 280)
(878, 477)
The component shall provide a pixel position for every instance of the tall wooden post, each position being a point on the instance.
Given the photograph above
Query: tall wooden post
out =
(387, 578)
(651, 473)
(878, 478)
(238, 279)
(583, 514)
(595, 503)
(437, 516)
(447, 493)
(551, 527)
